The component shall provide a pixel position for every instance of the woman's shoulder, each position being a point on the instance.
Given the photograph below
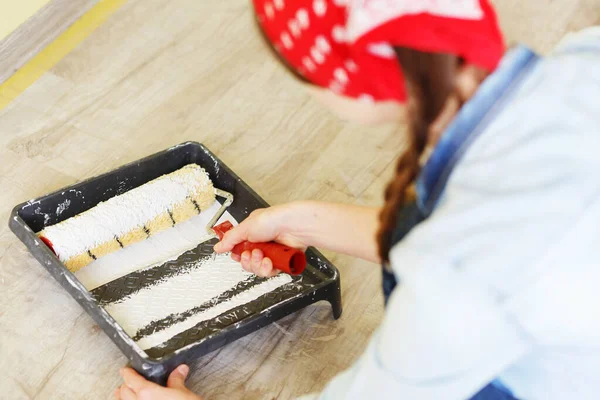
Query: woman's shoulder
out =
(544, 136)
(551, 121)
(524, 181)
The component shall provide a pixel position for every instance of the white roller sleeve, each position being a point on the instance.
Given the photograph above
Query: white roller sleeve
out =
(117, 216)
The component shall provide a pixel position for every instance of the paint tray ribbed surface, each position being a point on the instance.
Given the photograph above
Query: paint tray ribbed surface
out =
(169, 299)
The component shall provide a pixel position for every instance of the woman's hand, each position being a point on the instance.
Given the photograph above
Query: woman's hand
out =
(138, 388)
(341, 228)
(264, 225)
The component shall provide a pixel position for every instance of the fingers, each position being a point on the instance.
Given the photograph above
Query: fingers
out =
(245, 259)
(138, 388)
(266, 269)
(257, 263)
(234, 236)
(126, 394)
(251, 260)
(241, 232)
(256, 259)
(135, 381)
(177, 378)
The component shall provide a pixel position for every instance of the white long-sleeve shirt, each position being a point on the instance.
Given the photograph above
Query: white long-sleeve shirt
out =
(503, 279)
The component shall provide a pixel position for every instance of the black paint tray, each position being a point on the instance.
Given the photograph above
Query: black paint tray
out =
(320, 280)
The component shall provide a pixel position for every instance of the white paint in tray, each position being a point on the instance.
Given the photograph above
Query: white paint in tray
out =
(158, 248)
(245, 297)
(178, 293)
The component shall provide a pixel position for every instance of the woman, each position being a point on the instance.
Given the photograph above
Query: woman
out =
(492, 241)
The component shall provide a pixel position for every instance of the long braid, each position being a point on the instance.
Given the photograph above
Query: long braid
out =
(429, 81)
(397, 193)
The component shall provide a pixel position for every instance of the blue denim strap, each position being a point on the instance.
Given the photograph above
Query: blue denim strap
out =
(470, 122)
(494, 391)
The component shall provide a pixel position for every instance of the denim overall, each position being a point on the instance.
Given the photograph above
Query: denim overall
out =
(463, 131)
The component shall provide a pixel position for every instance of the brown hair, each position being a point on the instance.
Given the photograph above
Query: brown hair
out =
(429, 81)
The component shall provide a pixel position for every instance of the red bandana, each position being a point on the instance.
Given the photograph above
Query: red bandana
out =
(347, 45)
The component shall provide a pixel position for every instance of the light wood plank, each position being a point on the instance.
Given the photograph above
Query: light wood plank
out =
(37, 32)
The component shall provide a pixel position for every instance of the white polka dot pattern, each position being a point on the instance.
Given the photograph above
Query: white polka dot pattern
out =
(317, 56)
(323, 44)
(302, 17)
(287, 40)
(339, 34)
(340, 75)
(351, 66)
(307, 62)
(382, 50)
(319, 7)
(294, 28)
(335, 44)
(269, 12)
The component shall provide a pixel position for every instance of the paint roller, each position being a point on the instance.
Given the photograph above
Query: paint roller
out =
(142, 212)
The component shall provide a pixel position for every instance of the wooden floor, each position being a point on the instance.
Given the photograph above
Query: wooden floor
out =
(161, 72)
(37, 31)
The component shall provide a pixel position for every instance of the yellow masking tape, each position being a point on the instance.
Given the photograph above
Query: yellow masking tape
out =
(57, 50)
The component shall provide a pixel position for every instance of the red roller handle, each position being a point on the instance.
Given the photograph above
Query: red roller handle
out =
(285, 258)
